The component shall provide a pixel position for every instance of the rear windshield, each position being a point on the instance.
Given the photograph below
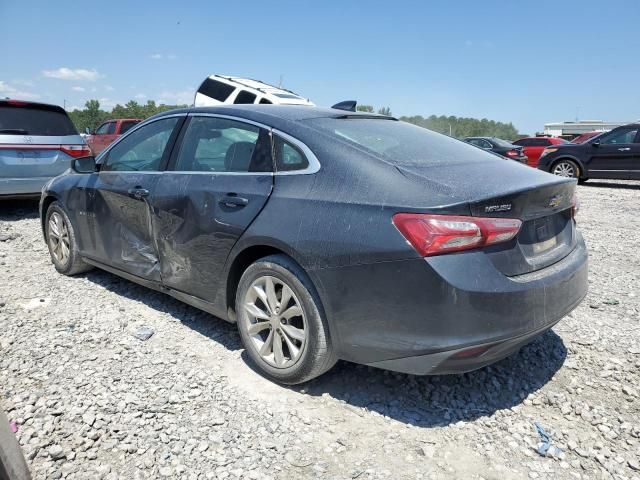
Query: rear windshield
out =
(502, 143)
(217, 90)
(398, 142)
(35, 120)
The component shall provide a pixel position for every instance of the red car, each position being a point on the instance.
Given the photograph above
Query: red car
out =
(533, 147)
(108, 132)
(585, 136)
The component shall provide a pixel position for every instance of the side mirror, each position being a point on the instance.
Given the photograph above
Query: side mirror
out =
(596, 143)
(84, 165)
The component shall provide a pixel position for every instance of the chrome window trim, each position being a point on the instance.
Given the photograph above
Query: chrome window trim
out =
(314, 163)
(130, 131)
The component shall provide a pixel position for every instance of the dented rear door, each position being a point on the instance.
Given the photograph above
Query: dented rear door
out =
(218, 181)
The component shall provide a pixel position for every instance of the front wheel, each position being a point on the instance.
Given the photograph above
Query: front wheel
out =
(61, 240)
(281, 322)
(566, 168)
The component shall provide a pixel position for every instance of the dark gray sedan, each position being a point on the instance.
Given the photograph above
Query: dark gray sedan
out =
(328, 235)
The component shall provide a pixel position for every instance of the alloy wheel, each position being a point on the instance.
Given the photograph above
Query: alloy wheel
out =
(277, 324)
(564, 169)
(59, 238)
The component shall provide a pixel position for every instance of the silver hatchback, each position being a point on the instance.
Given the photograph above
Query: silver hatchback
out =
(37, 142)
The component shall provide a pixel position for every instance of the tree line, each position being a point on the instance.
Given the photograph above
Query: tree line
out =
(93, 115)
(459, 127)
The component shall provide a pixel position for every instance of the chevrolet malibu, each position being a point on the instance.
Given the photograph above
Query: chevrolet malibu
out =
(327, 235)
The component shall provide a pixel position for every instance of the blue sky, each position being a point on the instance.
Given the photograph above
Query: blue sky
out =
(524, 62)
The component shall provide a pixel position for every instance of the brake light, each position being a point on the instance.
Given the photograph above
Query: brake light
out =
(512, 153)
(76, 151)
(438, 234)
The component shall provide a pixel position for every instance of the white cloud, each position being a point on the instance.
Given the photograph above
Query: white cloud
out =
(78, 89)
(7, 90)
(64, 73)
(141, 96)
(162, 56)
(180, 97)
(109, 88)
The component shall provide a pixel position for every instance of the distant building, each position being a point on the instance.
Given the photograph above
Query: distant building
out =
(573, 129)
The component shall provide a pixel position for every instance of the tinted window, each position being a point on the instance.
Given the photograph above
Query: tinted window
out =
(289, 157)
(143, 150)
(523, 142)
(126, 126)
(265, 101)
(34, 120)
(621, 136)
(502, 143)
(397, 142)
(215, 89)
(219, 145)
(480, 142)
(245, 97)
(108, 128)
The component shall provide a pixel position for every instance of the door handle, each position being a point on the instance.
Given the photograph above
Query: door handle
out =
(138, 193)
(232, 200)
(626, 149)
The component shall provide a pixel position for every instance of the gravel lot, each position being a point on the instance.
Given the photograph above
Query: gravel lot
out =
(91, 400)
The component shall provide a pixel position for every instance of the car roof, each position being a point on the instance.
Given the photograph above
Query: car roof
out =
(274, 114)
(29, 102)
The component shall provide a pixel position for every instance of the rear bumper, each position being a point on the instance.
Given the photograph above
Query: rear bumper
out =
(15, 187)
(414, 316)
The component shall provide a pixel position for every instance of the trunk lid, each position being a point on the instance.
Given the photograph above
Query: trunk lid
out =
(35, 156)
(542, 202)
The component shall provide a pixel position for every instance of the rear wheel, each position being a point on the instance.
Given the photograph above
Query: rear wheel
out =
(281, 322)
(61, 240)
(566, 168)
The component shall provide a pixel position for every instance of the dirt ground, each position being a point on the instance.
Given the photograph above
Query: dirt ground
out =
(90, 400)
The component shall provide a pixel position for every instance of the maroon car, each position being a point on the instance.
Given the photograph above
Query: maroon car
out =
(108, 132)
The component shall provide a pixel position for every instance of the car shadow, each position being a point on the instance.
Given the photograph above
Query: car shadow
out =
(428, 401)
(16, 209)
(202, 322)
(432, 401)
(612, 184)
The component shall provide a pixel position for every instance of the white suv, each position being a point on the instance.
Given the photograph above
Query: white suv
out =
(221, 89)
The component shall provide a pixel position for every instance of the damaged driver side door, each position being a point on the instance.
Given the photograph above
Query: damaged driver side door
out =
(119, 205)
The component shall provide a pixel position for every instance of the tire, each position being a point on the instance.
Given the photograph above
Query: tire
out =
(566, 168)
(306, 350)
(61, 240)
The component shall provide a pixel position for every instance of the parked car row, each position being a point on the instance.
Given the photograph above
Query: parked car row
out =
(499, 147)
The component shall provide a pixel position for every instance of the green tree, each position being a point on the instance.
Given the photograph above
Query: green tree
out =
(364, 108)
(385, 111)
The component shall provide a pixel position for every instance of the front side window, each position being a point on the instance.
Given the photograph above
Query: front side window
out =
(244, 97)
(106, 128)
(142, 150)
(621, 136)
(213, 144)
(289, 157)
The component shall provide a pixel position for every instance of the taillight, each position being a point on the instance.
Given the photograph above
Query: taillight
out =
(76, 151)
(437, 234)
(575, 206)
(512, 153)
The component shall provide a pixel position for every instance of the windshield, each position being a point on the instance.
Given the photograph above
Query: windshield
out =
(398, 142)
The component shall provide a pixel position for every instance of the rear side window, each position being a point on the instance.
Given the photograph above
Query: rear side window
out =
(126, 126)
(398, 143)
(33, 119)
(289, 157)
(540, 142)
(245, 97)
(523, 142)
(265, 101)
(212, 144)
(217, 90)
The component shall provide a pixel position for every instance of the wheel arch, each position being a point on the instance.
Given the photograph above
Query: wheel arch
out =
(45, 203)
